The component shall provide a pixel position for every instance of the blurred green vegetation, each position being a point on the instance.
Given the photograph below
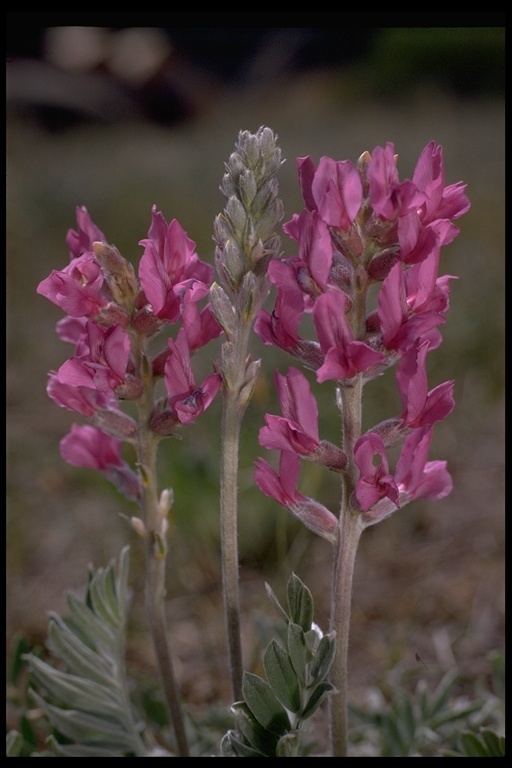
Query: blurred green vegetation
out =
(430, 568)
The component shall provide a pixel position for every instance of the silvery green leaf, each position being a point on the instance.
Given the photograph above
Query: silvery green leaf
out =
(102, 593)
(298, 650)
(264, 705)
(300, 603)
(88, 729)
(282, 677)
(80, 750)
(316, 698)
(88, 702)
(277, 605)
(254, 733)
(74, 691)
(241, 749)
(90, 627)
(13, 744)
(288, 745)
(323, 658)
(64, 644)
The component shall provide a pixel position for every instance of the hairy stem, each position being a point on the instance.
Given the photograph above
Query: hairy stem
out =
(349, 531)
(156, 551)
(232, 415)
(350, 527)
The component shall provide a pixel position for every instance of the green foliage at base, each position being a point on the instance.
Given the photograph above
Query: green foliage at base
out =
(85, 697)
(269, 720)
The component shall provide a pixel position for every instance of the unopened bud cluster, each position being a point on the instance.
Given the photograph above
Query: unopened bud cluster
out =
(245, 232)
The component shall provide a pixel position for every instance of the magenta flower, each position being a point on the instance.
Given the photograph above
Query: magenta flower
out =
(440, 202)
(281, 327)
(101, 365)
(297, 429)
(416, 477)
(389, 197)
(80, 241)
(71, 329)
(170, 271)
(337, 191)
(200, 325)
(81, 400)
(344, 357)
(89, 447)
(283, 488)
(405, 318)
(375, 481)
(425, 291)
(306, 171)
(421, 407)
(315, 246)
(186, 400)
(77, 289)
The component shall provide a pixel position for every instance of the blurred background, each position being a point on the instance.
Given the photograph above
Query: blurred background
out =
(118, 118)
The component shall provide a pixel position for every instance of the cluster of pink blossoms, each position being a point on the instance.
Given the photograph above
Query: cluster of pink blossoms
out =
(110, 315)
(362, 226)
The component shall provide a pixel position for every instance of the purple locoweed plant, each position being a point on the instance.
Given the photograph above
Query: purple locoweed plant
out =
(361, 227)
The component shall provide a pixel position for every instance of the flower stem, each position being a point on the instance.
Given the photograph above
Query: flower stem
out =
(345, 553)
(232, 415)
(156, 551)
(350, 527)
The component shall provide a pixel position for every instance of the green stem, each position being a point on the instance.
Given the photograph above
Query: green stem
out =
(350, 527)
(156, 551)
(232, 415)
(346, 547)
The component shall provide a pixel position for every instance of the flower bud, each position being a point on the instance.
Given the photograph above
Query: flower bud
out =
(329, 455)
(381, 264)
(316, 517)
(222, 309)
(146, 323)
(252, 368)
(164, 424)
(165, 502)
(138, 526)
(119, 274)
(115, 423)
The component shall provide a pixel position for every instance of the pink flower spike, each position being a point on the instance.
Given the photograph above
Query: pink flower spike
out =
(375, 481)
(186, 400)
(338, 192)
